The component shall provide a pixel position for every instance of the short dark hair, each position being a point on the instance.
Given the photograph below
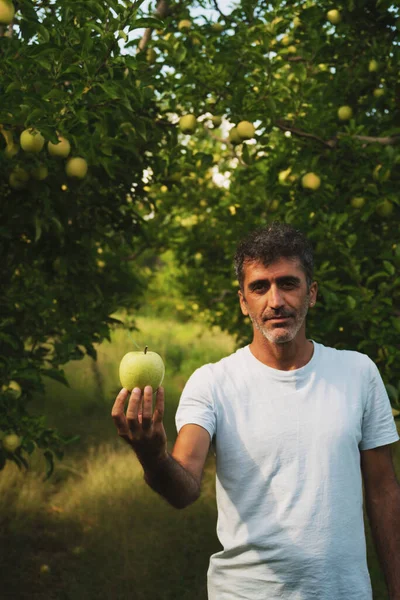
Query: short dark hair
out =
(270, 243)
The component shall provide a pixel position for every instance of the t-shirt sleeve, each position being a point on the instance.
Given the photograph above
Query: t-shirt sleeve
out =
(378, 425)
(196, 404)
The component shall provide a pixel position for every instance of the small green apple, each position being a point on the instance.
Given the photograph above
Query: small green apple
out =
(31, 140)
(378, 92)
(246, 130)
(345, 113)
(357, 202)
(188, 124)
(18, 179)
(7, 12)
(217, 27)
(151, 56)
(385, 208)
(334, 16)
(184, 25)
(373, 66)
(310, 181)
(138, 369)
(11, 442)
(216, 120)
(62, 149)
(40, 173)
(44, 569)
(76, 167)
(234, 136)
(283, 175)
(14, 389)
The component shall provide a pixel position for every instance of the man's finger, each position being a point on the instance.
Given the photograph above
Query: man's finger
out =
(147, 407)
(133, 409)
(159, 409)
(117, 411)
(118, 414)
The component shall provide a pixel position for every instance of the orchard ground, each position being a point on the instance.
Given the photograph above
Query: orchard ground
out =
(94, 530)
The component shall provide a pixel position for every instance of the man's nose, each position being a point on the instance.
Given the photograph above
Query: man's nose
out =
(275, 299)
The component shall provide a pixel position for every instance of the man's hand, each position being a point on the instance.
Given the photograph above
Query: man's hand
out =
(142, 429)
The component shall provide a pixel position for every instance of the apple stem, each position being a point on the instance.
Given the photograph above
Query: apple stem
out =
(145, 350)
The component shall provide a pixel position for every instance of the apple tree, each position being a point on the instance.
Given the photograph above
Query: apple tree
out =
(80, 123)
(320, 85)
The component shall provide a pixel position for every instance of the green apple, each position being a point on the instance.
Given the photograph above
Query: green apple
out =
(151, 56)
(385, 208)
(334, 16)
(7, 12)
(18, 179)
(373, 66)
(216, 120)
(283, 175)
(184, 25)
(40, 173)
(234, 136)
(62, 149)
(310, 181)
(357, 202)
(217, 27)
(15, 389)
(11, 442)
(44, 569)
(138, 369)
(188, 124)
(378, 92)
(380, 175)
(11, 150)
(345, 113)
(31, 140)
(76, 167)
(246, 130)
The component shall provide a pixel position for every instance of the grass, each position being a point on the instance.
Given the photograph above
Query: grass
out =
(103, 534)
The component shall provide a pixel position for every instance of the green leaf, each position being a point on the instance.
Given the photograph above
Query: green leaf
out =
(147, 22)
(38, 229)
(351, 302)
(389, 267)
(57, 375)
(49, 456)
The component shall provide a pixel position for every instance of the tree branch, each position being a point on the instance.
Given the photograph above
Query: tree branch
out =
(385, 141)
(161, 11)
(286, 127)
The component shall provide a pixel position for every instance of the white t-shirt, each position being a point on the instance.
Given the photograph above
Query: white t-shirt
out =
(288, 477)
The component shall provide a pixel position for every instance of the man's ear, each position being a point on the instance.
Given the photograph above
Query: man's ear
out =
(243, 304)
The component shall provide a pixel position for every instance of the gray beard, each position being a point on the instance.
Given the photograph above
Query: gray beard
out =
(278, 335)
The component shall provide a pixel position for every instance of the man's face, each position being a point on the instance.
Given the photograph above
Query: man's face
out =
(279, 290)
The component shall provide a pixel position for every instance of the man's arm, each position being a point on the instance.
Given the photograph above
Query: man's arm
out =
(382, 500)
(176, 476)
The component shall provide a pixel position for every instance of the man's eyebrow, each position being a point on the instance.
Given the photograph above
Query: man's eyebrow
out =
(279, 280)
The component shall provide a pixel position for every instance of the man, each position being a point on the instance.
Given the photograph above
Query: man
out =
(296, 428)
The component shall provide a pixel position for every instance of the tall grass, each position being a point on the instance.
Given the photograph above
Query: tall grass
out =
(101, 531)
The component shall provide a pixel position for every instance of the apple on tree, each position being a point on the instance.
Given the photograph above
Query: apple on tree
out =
(188, 124)
(345, 113)
(184, 25)
(31, 140)
(62, 149)
(76, 167)
(11, 442)
(245, 130)
(311, 181)
(234, 136)
(334, 16)
(138, 369)
(7, 12)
